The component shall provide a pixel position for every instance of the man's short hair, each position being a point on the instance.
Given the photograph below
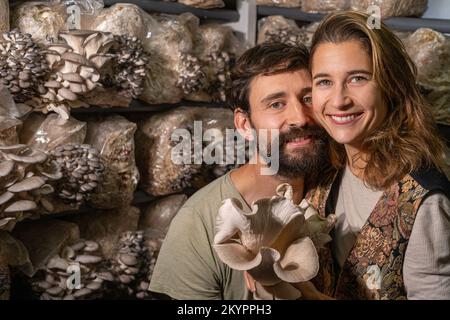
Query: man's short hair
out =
(263, 59)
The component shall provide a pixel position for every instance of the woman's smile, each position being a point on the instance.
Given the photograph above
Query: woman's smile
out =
(345, 119)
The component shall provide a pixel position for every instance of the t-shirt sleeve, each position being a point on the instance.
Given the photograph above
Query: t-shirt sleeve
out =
(426, 267)
(185, 268)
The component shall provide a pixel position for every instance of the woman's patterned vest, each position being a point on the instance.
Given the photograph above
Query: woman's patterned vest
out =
(374, 267)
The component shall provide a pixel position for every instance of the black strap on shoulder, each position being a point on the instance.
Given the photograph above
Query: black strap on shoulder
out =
(432, 180)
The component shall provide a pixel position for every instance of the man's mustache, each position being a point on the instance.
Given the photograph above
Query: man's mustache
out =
(315, 132)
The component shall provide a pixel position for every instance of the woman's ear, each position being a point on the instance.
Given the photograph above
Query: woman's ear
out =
(242, 124)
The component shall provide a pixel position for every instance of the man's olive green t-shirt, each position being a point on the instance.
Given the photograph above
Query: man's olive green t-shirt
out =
(187, 266)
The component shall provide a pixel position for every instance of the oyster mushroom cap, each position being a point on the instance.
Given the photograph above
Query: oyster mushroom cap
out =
(5, 221)
(16, 147)
(98, 43)
(285, 190)
(52, 58)
(264, 272)
(35, 156)
(61, 110)
(57, 262)
(21, 205)
(50, 95)
(6, 167)
(5, 197)
(54, 174)
(69, 67)
(300, 262)
(60, 48)
(78, 88)
(27, 184)
(46, 189)
(76, 38)
(47, 205)
(99, 60)
(72, 77)
(67, 94)
(259, 228)
(75, 58)
(86, 72)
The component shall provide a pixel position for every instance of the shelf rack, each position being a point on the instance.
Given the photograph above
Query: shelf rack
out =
(397, 23)
(138, 106)
(226, 15)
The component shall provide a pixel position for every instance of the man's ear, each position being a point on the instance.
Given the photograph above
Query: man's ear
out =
(242, 124)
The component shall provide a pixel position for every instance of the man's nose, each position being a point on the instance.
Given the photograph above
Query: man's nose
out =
(298, 115)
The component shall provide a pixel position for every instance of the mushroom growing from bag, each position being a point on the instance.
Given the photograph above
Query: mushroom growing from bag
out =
(276, 241)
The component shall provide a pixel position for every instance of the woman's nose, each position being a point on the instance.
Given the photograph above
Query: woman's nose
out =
(340, 98)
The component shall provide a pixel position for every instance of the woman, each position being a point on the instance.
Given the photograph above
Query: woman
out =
(392, 239)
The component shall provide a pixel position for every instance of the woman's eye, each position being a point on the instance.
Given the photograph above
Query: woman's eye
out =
(307, 100)
(277, 105)
(357, 79)
(323, 83)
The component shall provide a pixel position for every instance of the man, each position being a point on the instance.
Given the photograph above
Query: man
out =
(271, 89)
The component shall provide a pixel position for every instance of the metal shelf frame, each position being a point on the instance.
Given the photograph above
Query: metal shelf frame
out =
(397, 23)
(178, 8)
(138, 106)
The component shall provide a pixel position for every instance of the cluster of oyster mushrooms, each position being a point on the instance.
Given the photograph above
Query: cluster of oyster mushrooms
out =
(82, 171)
(26, 179)
(278, 241)
(221, 63)
(125, 275)
(23, 67)
(58, 281)
(131, 265)
(191, 77)
(64, 73)
(285, 35)
(129, 69)
(75, 69)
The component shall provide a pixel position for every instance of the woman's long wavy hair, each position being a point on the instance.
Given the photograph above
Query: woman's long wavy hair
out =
(408, 138)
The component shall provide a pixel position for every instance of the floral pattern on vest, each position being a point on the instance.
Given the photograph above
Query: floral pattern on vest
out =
(374, 267)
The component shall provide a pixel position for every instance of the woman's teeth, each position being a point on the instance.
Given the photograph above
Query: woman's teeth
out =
(343, 119)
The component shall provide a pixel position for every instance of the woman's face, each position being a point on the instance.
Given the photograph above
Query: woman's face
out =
(347, 101)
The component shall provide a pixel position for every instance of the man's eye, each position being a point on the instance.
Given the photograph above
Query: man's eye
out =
(277, 105)
(324, 83)
(307, 100)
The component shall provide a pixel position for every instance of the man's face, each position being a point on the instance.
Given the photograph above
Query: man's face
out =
(283, 102)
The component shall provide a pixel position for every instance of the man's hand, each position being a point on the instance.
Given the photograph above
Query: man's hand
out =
(307, 289)
(250, 282)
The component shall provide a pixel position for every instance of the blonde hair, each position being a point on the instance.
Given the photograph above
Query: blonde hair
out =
(408, 139)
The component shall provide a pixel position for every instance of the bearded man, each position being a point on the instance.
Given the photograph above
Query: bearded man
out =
(270, 92)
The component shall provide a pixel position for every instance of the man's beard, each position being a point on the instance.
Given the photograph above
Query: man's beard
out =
(310, 159)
